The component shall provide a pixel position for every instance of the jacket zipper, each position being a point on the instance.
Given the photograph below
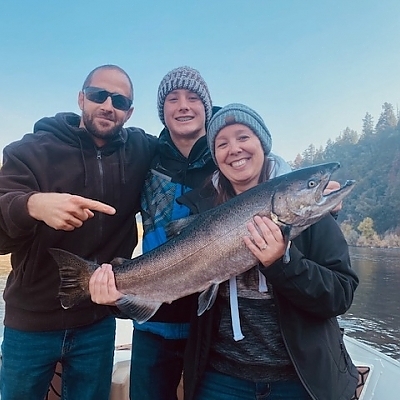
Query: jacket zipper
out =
(101, 173)
(290, 354)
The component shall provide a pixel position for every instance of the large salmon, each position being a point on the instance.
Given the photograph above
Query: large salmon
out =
(210, 249)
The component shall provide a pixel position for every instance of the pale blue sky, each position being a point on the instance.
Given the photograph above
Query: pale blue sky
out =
(309, 67)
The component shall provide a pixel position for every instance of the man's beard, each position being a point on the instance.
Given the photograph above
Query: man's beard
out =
(92, 129)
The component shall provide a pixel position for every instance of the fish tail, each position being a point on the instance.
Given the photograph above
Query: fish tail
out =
(75, 273)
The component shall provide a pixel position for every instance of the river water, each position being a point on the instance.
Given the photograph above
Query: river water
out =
(374, 317)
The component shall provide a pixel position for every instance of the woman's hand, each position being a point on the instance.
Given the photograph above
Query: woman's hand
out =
(102, 286)
(266, 241)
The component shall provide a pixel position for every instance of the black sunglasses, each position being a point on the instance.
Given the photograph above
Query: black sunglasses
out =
(99, 96)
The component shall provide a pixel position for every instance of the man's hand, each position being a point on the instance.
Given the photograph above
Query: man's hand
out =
(102, 286)
(331, 187)
(63, 211)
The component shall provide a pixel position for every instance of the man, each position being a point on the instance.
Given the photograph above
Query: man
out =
(47, 184)
(182, 163)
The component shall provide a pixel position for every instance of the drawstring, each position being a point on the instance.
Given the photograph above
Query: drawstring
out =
(262, 283)
(237, 331)
(234, 305)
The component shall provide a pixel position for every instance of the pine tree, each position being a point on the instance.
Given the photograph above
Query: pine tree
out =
(387, 121)
(368, 125)
(309, 155)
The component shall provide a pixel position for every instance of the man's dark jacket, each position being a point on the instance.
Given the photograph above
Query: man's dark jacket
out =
(61, 157)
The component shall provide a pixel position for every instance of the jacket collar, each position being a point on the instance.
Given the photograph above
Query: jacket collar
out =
(199, 155)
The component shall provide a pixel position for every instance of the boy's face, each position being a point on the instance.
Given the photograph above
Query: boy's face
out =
(184, 114)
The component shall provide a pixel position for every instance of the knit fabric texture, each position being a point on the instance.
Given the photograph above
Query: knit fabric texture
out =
(184, 78)
(236, 113)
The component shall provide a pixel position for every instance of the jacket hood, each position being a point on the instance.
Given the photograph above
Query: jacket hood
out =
(66, 127)
(198, 156)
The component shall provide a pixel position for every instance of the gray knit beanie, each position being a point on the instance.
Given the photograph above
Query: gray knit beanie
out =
(238, 114)
(184, 78)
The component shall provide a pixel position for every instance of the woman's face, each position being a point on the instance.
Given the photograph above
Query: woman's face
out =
(239, 156)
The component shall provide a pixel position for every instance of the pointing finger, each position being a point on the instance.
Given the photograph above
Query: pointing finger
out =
(95, 205)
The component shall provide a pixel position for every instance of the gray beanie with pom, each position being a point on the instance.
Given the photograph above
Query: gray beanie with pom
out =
(184, 78)
(236, 113)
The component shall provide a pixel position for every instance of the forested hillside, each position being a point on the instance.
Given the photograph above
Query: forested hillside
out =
(372, 158)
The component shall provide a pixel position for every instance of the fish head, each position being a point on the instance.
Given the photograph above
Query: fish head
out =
(299, 200)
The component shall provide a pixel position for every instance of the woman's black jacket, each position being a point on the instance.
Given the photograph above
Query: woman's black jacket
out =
(316, 285)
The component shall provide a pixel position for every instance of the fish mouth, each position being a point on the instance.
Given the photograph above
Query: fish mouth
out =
(339, 193)
(320, 197)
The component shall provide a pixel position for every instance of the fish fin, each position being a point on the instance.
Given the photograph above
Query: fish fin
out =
(118, 261)
(75, 273)
(136, 308)
(286, 236)
(207, 298)
(174, 228)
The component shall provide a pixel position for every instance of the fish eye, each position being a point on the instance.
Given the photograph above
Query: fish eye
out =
(312, 183)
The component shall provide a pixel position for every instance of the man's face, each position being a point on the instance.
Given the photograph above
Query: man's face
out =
(103, 121)
(184, 114)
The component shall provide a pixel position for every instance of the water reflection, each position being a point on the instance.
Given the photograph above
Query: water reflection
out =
(374, 317)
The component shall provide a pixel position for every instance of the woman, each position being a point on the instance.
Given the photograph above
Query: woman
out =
(272, 332)
(279, 338)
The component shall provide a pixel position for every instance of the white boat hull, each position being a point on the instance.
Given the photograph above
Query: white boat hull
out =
(383, 381)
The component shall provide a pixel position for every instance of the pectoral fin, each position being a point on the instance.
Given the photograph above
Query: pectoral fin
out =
(136, 308)
(174, 228)
(207, 299)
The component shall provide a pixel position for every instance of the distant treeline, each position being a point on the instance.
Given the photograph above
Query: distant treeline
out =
(371, 213)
